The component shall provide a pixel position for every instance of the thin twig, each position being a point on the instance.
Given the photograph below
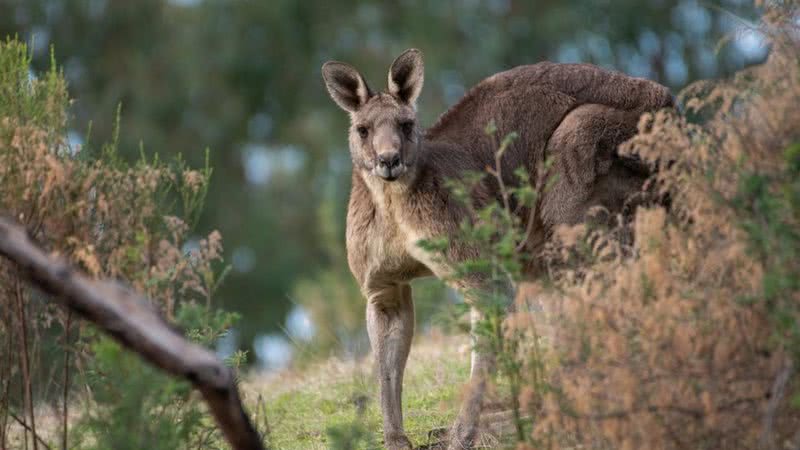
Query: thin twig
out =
(26, 374)
(776, 396)
(66, 382)
(28, 428)
(529, 227)
(4, 404)
(498, 174)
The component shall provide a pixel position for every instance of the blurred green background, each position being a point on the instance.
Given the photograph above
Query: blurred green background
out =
(242, 78)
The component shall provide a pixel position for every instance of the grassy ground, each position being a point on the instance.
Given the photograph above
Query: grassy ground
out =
(308, 409)
(337, 401)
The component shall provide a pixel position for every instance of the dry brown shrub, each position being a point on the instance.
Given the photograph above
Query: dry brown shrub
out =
(653, 347)
(112, 219)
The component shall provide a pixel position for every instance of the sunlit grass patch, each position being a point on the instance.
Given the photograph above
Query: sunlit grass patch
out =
(337, 400)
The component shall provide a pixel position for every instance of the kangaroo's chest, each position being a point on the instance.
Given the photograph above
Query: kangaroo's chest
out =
(383, 243)
(396, 250)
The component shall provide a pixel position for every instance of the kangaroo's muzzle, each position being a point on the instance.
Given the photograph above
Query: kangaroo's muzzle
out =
(389, 166)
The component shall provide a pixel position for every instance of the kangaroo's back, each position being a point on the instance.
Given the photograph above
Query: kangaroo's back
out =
(574, 114)
(533, 100)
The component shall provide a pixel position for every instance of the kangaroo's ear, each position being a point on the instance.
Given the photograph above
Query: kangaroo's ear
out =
(345, 85)
(406, 76)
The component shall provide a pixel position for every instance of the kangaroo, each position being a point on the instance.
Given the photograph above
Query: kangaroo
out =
(575, 114)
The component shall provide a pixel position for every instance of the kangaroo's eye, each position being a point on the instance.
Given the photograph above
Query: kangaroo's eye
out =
(362, 131)
(407, 127)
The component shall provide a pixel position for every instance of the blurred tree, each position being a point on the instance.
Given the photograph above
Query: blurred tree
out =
(242, 78)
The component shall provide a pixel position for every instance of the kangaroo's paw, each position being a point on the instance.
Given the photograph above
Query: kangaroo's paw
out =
(397, 442)
(462, 434)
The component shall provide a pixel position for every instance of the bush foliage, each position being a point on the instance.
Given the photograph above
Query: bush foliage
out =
(678, 328)
(688, 338)
(113, 220)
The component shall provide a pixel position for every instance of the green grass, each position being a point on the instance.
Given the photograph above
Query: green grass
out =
(308, 409)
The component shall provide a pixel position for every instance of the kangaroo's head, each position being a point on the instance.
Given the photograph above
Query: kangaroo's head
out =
(384, 136)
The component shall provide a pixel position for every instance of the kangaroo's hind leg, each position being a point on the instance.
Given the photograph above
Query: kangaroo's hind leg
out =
(463, 433)
(587, 168)
(587, 173)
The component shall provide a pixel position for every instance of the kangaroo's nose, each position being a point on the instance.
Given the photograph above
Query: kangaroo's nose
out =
(389, 160)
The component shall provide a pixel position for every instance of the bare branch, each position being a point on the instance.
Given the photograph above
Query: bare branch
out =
(135, 323)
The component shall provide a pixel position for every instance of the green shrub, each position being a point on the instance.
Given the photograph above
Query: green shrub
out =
(134, 405)
(768, 208)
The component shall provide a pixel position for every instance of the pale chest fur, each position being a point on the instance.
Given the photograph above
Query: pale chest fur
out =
(383, 243)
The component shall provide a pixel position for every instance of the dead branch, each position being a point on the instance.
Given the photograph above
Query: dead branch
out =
(134, 322)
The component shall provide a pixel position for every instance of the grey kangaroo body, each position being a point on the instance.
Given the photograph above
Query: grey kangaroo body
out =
(575, 114)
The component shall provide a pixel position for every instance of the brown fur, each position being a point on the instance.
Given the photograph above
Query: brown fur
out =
(575, 114)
